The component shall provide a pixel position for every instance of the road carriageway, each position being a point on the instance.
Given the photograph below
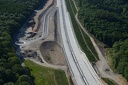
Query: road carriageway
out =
(81, 70)
(79, 66)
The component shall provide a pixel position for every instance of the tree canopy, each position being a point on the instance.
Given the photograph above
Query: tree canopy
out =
(107, 20)
(120, 57)
(13, 14)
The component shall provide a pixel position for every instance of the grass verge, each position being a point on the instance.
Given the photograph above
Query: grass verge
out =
(109, 82)
(46, 76)
(47, 58)
(81, 36)
(73, 6)
(110, 53)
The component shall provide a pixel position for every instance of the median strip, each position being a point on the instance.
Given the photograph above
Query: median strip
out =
(82, 38)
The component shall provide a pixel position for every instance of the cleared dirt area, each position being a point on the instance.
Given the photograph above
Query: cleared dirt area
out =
(52, 50)
(52, 53)
(39, 15)
(101, 47)
(110, 74)
(43, 49)
(50, 47)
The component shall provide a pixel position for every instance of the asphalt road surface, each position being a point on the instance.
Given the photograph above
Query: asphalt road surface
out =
(80, 67)
(81, 70)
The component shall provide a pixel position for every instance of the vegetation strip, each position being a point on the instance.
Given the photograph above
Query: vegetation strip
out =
(86, 37)
(46, 76)
(107, 20)
(13, 14)
(118, 57)
(79, 33)
(109, 82)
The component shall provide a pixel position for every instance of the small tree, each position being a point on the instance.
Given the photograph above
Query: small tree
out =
(23, 79)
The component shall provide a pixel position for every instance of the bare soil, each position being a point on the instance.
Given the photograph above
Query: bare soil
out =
(37, 16)
(51, 49)
(52, 53)
(122, 80)
(118, 77)
(101, 46)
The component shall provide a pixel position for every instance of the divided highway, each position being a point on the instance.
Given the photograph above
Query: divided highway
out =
(81, 70)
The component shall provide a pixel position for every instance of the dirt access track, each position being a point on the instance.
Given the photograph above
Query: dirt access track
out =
(50, 47)
(43, 51)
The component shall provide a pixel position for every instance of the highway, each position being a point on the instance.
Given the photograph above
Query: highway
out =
(82, 72)
(79, 66)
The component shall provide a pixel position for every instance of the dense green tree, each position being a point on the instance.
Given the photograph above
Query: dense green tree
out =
(126, 72)
(121, 67)
(106, 20)
(13, 60)
(11, 54)
(24, 83)
(13, 14)
(9, 83)
(23, 79)
(120, 57)
(9, 75)
(18, 69)
(1, 81)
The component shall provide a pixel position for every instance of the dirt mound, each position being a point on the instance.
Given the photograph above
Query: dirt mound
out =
(52, 53)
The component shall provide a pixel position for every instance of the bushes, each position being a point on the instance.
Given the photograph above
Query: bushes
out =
(119, 57)
(13, 14)
(106, 20)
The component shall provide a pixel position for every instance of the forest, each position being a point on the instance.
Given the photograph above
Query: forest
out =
(107, 20)
(13, 14)
(119, 54)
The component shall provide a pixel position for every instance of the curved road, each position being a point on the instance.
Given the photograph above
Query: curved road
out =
(102, 64)
(80, 67)
(45, 28)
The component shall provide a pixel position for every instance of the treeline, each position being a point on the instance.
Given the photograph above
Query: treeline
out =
(119, 54)
(13, 13)
(107, 20)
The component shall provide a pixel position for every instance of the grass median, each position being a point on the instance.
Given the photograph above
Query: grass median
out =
(46, 76)
(109, 81)
(82, 37)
